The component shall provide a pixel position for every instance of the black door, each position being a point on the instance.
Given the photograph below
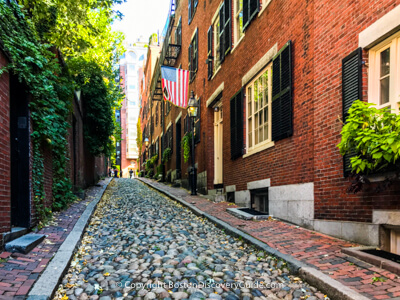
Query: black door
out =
(178, 149)
(19, 130)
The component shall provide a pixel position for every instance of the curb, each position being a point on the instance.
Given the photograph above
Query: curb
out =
(333, 288)
(45, 287)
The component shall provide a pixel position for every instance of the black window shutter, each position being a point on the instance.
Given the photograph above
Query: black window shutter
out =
(189, 11)
(282, 107)
(250, 11)
(246, 16)
(236, 116)
(227, 27)
(221, 33)
(190, 67)
(209, 52)
(196, 51)
(351, 91)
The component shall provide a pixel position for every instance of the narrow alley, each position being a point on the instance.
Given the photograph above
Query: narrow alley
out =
(140, 244)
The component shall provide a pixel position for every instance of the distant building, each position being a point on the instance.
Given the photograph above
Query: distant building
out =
(130, 64)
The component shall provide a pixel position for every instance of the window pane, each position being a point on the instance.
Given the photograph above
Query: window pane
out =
(260, 134)
(250, 130)
(385, 90)
(385, 62)
(260, 92)
(266, 114)
(255, 95)
(265, 131)
(256, 129)
(249, 101)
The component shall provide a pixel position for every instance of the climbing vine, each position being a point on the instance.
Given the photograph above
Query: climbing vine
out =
(30, 34)
(37, 67)
(186, 143)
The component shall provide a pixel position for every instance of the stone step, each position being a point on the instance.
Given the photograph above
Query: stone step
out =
(15, 233)
(25, 243)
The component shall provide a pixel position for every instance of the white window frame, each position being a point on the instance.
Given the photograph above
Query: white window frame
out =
(216, 41)
(236, 37)
(268, 142)
(393, 42)
(264, 5)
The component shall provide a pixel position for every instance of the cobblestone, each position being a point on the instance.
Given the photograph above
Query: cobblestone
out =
(142, 245)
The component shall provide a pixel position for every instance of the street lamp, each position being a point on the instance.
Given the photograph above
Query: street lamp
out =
(146, 144)
(192, 110)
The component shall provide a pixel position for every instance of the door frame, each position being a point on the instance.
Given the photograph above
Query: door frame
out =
(218, 125)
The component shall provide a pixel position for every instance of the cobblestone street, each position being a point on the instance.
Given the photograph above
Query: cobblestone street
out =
(141, 245)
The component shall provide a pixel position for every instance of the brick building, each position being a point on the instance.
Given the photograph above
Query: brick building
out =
(17, 209)
(274, 79)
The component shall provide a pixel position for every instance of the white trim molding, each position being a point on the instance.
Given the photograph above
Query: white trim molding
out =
(215, 94)
(381, 29)
(178, 117)
(260, 64)
(169, 125)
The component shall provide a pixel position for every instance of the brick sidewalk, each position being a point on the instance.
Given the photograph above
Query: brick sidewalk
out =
(18, 272)
(316, 249)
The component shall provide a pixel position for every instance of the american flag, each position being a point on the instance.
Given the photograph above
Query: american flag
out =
(175, 85)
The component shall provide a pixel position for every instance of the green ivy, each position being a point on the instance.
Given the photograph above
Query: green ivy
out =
(37, 67)
(186, 143)
(166, 156)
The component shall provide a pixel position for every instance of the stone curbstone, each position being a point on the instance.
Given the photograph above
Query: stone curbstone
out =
(45, 287)
(334, 289)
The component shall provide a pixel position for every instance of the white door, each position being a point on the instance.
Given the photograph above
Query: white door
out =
(218, 144)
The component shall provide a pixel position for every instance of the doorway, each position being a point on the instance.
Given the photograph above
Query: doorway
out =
(218, 144)
(19, 142)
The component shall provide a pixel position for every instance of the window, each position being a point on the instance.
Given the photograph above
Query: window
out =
(131, 56)
(157, 146)
(192, 5)
(238, 20)
(178, 32)
(193, 55)
(132, 87)
(141, 57)
(259, 109)
(384, 74)
(131, 70)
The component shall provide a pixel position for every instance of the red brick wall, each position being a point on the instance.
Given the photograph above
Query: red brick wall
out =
(279, 162)
(323, 33)
(336, 33)
(5, 187)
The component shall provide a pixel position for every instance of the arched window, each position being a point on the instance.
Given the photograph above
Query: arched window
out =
(132, 56)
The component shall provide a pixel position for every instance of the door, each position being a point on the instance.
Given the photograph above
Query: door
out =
(178, 149)
(218, 145)
(19, 135)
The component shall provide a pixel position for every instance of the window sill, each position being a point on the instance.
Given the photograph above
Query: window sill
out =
(238, 42)
(216, 72)
(265, 5)
(259, 149)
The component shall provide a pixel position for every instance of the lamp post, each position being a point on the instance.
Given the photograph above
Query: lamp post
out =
(192, 109)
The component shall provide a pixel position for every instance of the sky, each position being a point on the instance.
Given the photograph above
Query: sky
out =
(142, 18)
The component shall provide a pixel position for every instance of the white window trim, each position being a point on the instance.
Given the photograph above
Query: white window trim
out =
(267, 143)
(374, 73)
(236, 41)
(237, 44)
(265, 4)
(260, 65)
(215, 34)
(216, 71)
(380, 29)
(214, 95)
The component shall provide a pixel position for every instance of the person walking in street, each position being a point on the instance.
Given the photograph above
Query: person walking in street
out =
(116, 173)
(130, 173)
